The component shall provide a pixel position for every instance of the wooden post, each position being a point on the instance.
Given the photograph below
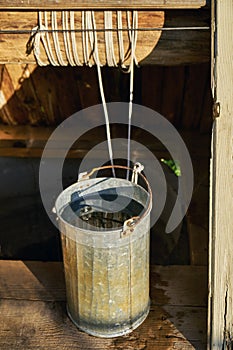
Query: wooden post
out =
(221, 207)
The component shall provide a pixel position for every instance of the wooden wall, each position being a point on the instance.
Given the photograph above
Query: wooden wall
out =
(45, 96)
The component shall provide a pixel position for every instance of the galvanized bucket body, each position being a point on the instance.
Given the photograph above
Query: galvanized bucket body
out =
(106, 265)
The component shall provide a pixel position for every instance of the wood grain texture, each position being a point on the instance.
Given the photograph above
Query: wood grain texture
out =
(45, 96)
(26, 141)
(198, 212)
(221, 219)
(28, 325)
(33, 314)
(45, 281)
(182, 47)
(172, 47)
(193, 103)
(32, 280)
(177, 284)
(95, 4)
(13, 46)
(179, 95)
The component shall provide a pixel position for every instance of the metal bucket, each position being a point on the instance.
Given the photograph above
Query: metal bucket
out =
(106, 253)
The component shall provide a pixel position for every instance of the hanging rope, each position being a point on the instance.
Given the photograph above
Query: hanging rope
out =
(110, 55)
(73, 40)
(120, 39)
(133, 37)
(90, 52)
(94, 44)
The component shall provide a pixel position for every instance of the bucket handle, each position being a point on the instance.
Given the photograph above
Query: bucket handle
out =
(129, 224)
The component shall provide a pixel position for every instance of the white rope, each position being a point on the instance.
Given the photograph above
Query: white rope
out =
(110, 54)
(53, 49)
(120, 39)
(97, 61)
(44, 37)
(36, 44)
(84, 46)
(73, 40)
(56, 39)
(65, 21)
(133, 58)
(91, 52)
(47, 43)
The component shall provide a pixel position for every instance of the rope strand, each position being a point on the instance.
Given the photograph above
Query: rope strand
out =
(73, 40)
(52, 48)
(133, 60)
(89, 40)
(107, 124)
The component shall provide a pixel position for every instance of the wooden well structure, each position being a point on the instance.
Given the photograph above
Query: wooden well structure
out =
(186, 74)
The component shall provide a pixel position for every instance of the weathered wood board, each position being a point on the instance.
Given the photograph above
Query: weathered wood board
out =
(32, 140)
(45, 96)
(221, 206)
(167, 47)
(72, 4)
(33, 313)
(13, 46)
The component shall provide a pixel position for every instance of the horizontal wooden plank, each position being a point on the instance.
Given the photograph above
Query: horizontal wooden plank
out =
(182, 47)
(183, 320)
(28, 141)
(28, 325)
(104, 4)
(33, 313)
(176, 284)
(56, 153)
(32, 280)
(16, 41)
(176, 44)
(25, 133)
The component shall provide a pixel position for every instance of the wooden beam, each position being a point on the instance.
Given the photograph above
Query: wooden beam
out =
(13, 45)
(44, 281)
(221, 206)
(96, 4)
(33, 313)
(182, 47)
(156, 44)
(28, 141)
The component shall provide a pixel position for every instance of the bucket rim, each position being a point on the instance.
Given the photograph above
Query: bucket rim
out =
(87, 175)
(129, 224)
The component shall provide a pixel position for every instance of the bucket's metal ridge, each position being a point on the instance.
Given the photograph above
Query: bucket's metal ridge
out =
(106, 268)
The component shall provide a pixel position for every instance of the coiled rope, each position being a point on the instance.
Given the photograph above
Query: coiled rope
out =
(89, 38)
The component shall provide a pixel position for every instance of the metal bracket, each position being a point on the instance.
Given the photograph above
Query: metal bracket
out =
(129, 226)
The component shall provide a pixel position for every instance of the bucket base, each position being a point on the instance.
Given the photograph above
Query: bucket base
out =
(111, 331)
